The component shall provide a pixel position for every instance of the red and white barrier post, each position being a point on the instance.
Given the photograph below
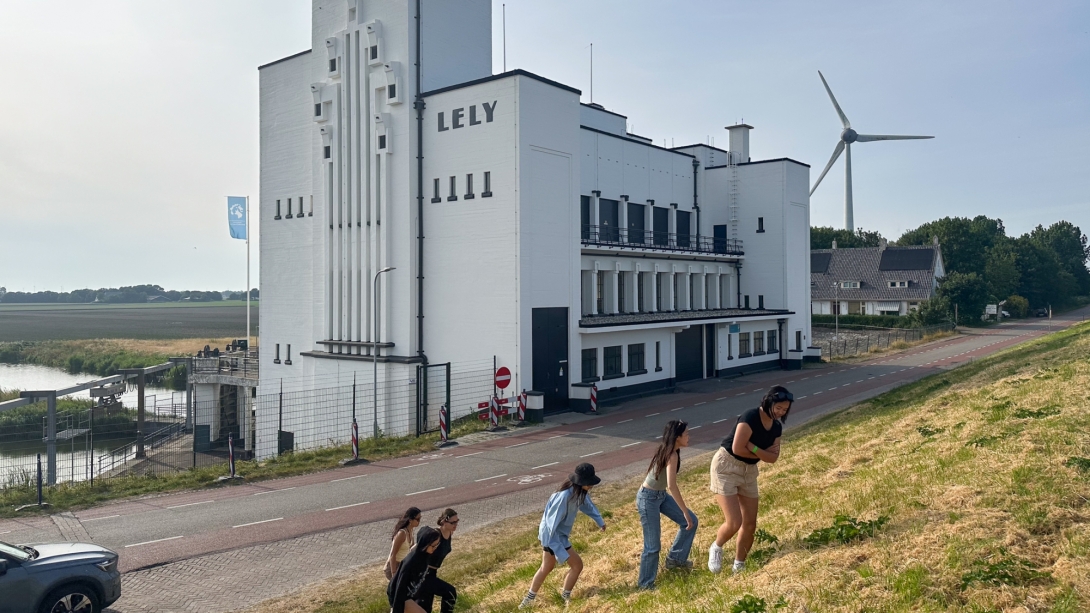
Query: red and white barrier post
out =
(522, 406)
(494, 412)
(355, 441)
(594, 399)
(231, 453)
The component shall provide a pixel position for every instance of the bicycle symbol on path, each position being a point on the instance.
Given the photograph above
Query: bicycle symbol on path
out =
(434, 456)
(528, 479)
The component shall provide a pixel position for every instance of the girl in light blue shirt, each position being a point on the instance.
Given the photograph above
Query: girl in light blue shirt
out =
(555, 530)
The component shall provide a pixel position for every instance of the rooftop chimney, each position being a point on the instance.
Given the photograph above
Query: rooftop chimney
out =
(739, 143)
(882, 244)
(834, 243)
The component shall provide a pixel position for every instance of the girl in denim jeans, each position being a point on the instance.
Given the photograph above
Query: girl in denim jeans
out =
(660, 494)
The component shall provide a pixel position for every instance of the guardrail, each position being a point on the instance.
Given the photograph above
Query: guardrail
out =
(238, 364)
(658, 241)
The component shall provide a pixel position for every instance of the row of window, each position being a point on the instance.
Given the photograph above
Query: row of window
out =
(609, 222)
(754, 343)
(613, 364)
(469, 195)
(276, 360)
(294, 208)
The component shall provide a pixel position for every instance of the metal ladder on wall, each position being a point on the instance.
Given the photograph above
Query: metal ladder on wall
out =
(732, 196)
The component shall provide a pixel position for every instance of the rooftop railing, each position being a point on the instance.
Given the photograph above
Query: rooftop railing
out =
(658, 241)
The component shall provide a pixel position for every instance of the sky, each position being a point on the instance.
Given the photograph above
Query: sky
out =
(124, 125)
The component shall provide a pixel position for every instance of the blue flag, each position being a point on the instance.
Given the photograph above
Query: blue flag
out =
(236, 216)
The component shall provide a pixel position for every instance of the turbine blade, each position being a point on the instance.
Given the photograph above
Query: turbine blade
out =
(843, 117)
(836, 153)
(866, 138)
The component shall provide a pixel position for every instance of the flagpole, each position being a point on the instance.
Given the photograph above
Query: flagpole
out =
(248, 339)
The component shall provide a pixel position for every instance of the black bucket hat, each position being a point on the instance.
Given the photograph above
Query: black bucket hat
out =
(584, 475)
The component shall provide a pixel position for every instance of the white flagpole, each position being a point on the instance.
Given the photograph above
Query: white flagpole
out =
(248, 339)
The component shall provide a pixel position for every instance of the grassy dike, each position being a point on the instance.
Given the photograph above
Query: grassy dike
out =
(103, 357)
(966, 491)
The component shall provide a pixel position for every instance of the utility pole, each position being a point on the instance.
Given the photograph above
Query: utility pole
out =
(374, 353)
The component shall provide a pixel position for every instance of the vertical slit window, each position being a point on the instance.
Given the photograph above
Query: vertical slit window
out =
(327, 152)
(658, 356)
(760, 301)
(288, 216)
(469, 186)
(601, 292)
(453, 189)
(333, 65)
(621, 306)
(288, 361)
(374, 52)
(435, 191)
(381, 141)
(760, 224)
(300, 215)
(276, 360)
(318, 109)
(277, 210)
(391, 91)
(747, 301)
(487, 193)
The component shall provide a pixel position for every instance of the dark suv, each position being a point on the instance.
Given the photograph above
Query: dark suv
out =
(57, 577)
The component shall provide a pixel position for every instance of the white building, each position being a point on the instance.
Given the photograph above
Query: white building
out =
(523, 226)
(879, 280)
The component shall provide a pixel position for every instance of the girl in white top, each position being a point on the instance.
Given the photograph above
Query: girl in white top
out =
(402, 540)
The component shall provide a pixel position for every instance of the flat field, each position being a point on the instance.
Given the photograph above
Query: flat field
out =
(39, 322)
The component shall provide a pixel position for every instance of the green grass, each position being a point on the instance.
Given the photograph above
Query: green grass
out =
(985, 507)
(19, 488)
(52, 306)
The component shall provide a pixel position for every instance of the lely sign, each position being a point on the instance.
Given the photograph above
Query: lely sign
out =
(459, 118)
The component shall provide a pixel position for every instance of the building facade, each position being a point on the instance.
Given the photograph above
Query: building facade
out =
(522, 226)
(879, 280)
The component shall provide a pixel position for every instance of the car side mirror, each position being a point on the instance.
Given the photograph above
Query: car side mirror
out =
(3, 567)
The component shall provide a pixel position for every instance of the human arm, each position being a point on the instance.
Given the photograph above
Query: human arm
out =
(591, 511)
(744, 448)
(555, 511)
(395, 546)
(675, 492)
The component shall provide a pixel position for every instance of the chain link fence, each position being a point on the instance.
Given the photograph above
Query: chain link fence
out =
(858, 340)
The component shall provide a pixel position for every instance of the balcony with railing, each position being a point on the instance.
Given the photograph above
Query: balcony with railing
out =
(650, 240)
(233, 364)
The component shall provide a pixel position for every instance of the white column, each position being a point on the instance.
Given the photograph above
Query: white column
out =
(699, 297)
(717, 290)
(611, 292)
(622, 220)
(652, 291)
(594, 292)
(667, 287)
(672, 224)
(682, 298)
(631, 290)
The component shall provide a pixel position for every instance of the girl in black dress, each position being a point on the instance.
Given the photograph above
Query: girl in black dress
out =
(411, 573)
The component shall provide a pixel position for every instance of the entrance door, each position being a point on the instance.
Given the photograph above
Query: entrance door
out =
(550, 355)
(688, 354)
(229, 416)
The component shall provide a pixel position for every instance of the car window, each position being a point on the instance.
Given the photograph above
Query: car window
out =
(13, 552)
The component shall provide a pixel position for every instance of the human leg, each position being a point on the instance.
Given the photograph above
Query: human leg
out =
(548, 563)
(732, 518)
(447, 594)
(748, 509)
(648, 504)
(683, 542)
(575, 566)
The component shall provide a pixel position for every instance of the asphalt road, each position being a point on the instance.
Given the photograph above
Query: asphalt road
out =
(156, 533)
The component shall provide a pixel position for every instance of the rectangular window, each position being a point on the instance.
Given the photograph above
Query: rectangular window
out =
(719, 240)
(658, 291)
(773, 344)
(310, 213)
(684, 229)
(276, 360)
(658, 356)
(621, 306)
(608, 216)
(760, 301)
(435, 191)
(374, 52)
(590, 365)
(391, 91)
(612, 363)
(453, 189)
(584, 216)
(333, 65)
(635, 359)
(641, 303)
(758, 342)
(747, 301)
(798, 340)
(760, 224)
(487, 193)
(469, 186)
(601, 293)
(277, 210)
(381, 141)
(287, 362)
(318, 109)
(635, 223)
(692, 293)
(288, 216)
(327, 152)
(660, 225)
(743, 344)
(849, 284)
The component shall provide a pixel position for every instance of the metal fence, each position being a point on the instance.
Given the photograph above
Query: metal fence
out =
(859, 340)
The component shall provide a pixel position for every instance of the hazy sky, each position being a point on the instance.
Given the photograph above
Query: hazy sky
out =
(123, 125)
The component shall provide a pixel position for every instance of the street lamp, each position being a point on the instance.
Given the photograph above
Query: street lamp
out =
(374, 352)
(836, 310)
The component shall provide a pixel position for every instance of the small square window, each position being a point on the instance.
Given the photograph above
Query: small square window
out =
(391, 91)
(381, 141)
(374, 52)
(487, 193)
(333, 65)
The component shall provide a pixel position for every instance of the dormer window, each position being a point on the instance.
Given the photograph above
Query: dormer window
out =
(849, 285)
(898, 283)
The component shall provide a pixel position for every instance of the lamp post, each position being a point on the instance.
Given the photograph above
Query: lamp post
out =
(374, 353)
(836, 310)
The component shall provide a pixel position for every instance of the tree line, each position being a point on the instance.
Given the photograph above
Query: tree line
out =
(132, 294)
(1044, 268)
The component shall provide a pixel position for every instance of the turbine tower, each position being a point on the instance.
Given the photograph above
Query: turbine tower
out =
(847, 137)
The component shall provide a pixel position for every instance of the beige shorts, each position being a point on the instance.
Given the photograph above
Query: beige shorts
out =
(731, 476)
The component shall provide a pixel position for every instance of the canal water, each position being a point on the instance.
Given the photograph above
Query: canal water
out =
(79, 456)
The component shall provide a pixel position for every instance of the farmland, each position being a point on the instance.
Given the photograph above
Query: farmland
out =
(40, 322)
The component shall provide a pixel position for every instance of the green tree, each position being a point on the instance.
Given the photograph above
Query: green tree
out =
(1017, 306)
(1069, 244)
(965, 242)
(933, 311)
(1043, 280)
(966, 291)
(822, 237)
(1001, 271)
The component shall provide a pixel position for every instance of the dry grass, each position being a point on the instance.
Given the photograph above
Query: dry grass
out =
(972, 466)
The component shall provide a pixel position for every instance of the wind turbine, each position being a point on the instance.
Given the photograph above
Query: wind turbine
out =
(847, 137)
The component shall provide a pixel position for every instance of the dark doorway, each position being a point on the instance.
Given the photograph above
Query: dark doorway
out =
(550, 354)
(709, 350)
(720, 238)
(229, 416)
(660, 222)
(688, 354)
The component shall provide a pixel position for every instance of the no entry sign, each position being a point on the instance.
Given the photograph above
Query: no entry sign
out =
(503, 377)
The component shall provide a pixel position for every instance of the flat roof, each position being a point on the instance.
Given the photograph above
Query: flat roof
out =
(761, 162)
(503, 75)
(598, 107)
(283, 59)
(638, 142)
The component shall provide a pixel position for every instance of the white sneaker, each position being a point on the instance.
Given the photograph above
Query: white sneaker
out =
(715, 558)
(527, 602)
(738, 567)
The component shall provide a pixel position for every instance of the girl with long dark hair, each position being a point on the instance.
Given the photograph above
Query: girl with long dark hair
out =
(401, 540)
(434, 586)
(755, 438)
(555, 530)
(412, 572)
(660, 495)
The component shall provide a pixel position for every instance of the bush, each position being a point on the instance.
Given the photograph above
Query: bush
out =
(754, 604)
(875, 321)
(1017, 306)
(1004, 570)
(844, 530)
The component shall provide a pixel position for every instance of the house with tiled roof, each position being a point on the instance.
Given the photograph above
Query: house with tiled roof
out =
(881, 280)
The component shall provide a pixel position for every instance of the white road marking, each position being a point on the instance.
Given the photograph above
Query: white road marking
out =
(594, 428)
(742, 394)
(434, 489)
(347, 478)
(544, 465)
(800, 397)
(625, 420)
(475, 481)
(679, 408)
(178, 506)
(271, 491)
(720, 420)
(155, 541)
(631, 444)
(85, 520)
(831, 389)
(590, 454)
(254, 523)
(413, 465)
(859, 381)
(721, 398)
(557, 436)
(816, 393)
(652, 415)
(348, 506)
(697, 404)
(466, 455)
(517, 445)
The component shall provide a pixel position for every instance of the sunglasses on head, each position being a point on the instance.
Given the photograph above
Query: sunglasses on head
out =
(781, 396)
